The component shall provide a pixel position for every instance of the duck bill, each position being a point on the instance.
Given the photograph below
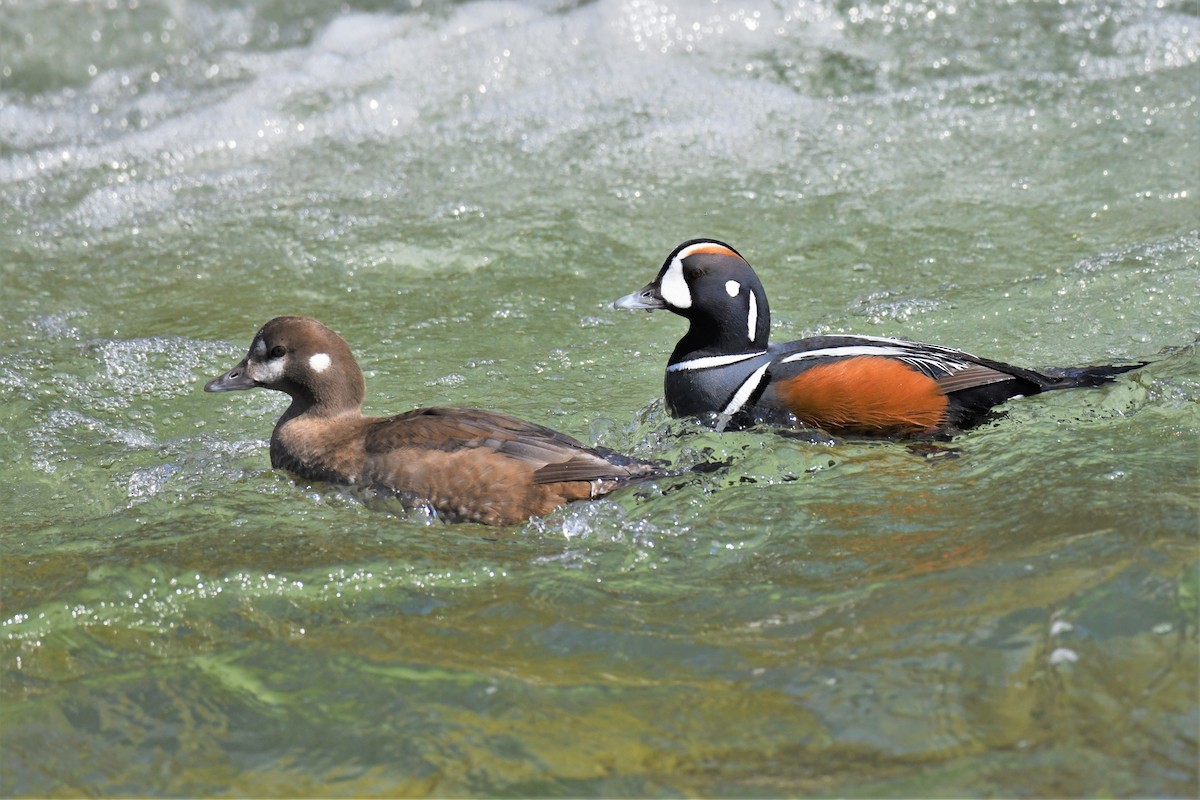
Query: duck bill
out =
(232, 381)
(648, 298)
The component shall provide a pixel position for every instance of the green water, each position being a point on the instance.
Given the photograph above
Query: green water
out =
(461, 189)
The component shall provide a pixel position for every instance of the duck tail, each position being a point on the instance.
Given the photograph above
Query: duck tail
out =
(1075, 377)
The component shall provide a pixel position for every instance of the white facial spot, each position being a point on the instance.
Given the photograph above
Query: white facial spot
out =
(260, 348)
(733, 287)
(266, 371)
(320, 362)
(751, 315)
(673, 286)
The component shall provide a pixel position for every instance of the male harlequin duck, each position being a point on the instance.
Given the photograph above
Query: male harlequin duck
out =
(860, 385)
(464, 463)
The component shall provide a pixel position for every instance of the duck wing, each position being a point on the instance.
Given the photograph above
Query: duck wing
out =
(553, 456)
(954, 370)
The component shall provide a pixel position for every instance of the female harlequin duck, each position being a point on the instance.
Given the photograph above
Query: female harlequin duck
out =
(466, 464)
(863, 385)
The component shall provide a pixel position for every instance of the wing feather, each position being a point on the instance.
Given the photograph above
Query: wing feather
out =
(553, 456)
(972, 377)
(954, 370)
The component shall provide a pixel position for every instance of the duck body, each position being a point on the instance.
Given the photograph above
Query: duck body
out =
(465, 464)
(725, 367)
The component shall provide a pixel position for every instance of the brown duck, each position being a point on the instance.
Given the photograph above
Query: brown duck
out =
(464, 463)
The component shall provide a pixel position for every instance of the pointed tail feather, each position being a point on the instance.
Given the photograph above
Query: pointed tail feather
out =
(1073, 377)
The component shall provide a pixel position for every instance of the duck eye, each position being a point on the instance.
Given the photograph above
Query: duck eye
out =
(278, 351)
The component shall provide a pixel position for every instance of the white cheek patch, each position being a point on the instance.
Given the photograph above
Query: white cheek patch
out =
(320, 362)
(266, 371)
(751, 316)
(732, 288)
(673, 286)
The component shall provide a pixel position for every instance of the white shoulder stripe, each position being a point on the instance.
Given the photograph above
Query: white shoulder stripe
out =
(892, 340)
(744, 391)
(938, 361)
(708, 362)
(847, 352)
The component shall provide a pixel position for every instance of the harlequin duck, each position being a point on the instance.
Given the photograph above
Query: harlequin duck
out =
(859, 385)
(464, 463)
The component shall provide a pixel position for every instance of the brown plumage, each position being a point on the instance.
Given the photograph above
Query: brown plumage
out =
(467, 464)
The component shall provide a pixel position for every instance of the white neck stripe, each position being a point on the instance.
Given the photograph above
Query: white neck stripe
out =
(708, 362)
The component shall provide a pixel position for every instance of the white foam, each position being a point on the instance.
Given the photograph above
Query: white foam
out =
(617, 94)
(501, 74)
